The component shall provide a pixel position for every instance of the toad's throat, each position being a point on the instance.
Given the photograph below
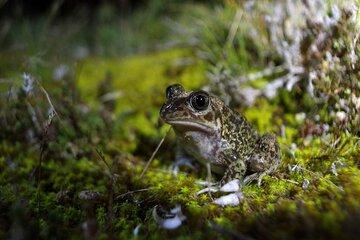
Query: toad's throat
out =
(183, 125)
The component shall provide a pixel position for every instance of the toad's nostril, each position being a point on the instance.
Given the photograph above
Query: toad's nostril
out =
(165, 109)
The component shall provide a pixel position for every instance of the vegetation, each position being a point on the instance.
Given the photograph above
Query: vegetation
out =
(79, 119)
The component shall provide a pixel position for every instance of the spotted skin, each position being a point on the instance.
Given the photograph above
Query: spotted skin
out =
(213, 133)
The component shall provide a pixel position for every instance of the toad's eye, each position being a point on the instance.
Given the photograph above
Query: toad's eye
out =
(174, 91)
(199, 100)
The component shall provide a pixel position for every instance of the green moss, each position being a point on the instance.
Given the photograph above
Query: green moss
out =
(266, 122)
(140, 82)
(135, 76)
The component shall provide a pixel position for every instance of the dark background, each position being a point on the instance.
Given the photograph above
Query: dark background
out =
(66, 7)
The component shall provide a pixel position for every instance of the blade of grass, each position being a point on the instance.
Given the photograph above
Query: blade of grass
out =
(153, 154)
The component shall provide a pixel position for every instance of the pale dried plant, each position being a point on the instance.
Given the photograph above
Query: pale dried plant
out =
(313, 45)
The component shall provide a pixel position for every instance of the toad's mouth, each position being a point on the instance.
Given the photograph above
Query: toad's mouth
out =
(183, 125)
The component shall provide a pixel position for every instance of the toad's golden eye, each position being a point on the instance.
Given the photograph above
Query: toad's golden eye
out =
(199, 100)
(174, 91)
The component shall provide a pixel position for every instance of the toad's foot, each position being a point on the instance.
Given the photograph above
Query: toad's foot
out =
(205, 183)
(209, 187)
(254, 177)
(232, 186)
(208, 190)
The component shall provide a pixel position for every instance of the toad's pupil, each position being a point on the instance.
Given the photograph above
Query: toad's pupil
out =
(200, 102)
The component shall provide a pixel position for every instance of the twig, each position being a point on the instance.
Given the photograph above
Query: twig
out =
(153, 154)
(43, 148)
(131, 192)
(47, 97)
(319, 176)
(101, 156)
(110, 214)
(291, 181)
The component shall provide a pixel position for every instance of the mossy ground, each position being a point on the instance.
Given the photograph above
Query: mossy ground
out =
(305, 198)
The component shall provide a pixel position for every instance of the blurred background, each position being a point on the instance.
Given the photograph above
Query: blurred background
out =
(81, 85)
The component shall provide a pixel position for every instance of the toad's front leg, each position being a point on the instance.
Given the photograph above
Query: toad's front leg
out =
(235, 171)
(209, 185)
(182, 159)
